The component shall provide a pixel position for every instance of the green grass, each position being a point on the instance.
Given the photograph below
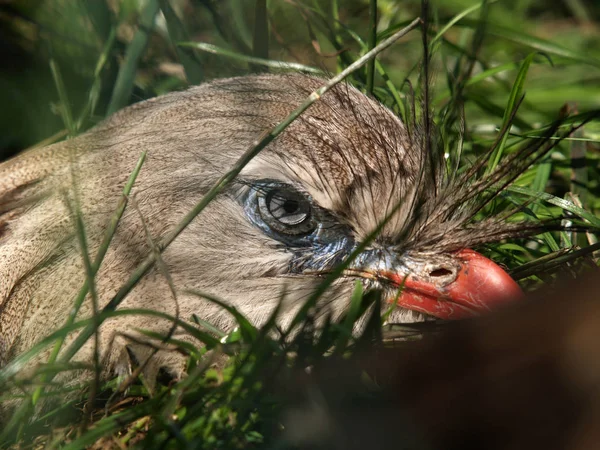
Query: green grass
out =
(485, 58)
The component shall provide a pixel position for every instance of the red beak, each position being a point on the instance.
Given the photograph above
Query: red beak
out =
(480, 286)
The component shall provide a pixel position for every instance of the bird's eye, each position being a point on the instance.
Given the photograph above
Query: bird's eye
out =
(286, 211)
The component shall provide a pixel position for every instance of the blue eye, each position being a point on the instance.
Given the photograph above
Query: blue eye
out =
(286, 211)
(290, 216)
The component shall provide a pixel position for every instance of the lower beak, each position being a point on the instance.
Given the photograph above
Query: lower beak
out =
(480, 286)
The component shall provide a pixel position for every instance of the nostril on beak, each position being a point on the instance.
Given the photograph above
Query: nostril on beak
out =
(440, 272)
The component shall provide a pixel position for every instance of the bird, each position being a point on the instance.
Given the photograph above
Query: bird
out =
(296, 211)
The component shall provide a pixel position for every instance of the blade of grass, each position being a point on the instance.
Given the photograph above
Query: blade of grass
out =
(90, 277)
(458, 77)
(320, 20)
(231, 34)
(371, 43)
(136, 48)
(457, 18)
(210, 48)
(48, 141)
(202, 336)
(99, 13)
(535, 43)
(579, 168)
(382, 72)
(94, 92)
(514, 97)
(65, 105)
(161, 340)
(334, 16)
(209, 326)
(496, 110)
(260, 41)
(351, 316)
(334, 25)
(178, 33)
(240, 22)
(478, 78)
(552, 261)
(249, 331)
(372, 334)
(542, 175)
(557, 201)
(579, 188)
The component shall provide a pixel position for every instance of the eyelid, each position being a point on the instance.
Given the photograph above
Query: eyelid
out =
(269, 185)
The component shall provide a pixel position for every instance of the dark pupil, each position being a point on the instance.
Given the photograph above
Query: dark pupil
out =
(288, 209)
(290, 206)
(287, 212)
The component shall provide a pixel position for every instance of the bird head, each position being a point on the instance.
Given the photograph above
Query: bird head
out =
(345, 168)
(347, 178)
(315, 195)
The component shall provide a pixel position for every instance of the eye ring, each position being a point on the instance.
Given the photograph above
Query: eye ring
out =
(286, 211)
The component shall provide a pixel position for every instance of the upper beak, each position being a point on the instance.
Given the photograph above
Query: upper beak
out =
(480, 286)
